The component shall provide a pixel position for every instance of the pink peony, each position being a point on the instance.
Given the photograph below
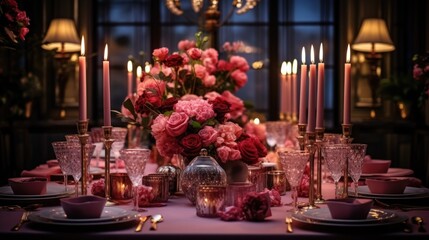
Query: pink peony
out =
(237, 105)
(240, 78)
(158, 126)
(185, 45)
(177, 124)
(212, 54)
(160, 54)
(194, 53)
(200, 71)
(168, 146)
(239, 62)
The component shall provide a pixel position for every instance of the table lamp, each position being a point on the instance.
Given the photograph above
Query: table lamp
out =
(63, 39)
(373, 38)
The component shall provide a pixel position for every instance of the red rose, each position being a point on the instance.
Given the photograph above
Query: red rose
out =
(147, 98)
(256, 206)
(191, 144)
(221, 107)
(251, 149)
(174, 60)
(168, 104)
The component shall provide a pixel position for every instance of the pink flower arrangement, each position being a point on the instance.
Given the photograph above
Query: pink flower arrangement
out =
(14, 23)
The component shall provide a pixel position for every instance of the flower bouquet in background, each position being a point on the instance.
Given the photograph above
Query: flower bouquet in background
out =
(13, 24)
(421, 74)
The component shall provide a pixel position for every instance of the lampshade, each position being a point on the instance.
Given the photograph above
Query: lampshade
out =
(62, 31)
(373, 37)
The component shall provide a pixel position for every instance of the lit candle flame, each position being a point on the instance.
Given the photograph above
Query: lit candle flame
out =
(105, 53)
(303, 55)
(82, 46)
(289, 68)
(283, 69)
(139, 71)
(256, 121)
(147, 67)
(348, 53)
(321, 53)
(312, 54)
(130, 66)
(295, 66)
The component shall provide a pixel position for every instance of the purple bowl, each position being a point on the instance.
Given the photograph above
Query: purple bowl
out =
(349, 208)
(28, 185)
(83, 207)
(375, 166)
(386, 185)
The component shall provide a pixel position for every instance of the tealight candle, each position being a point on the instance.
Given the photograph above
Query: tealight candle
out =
(210, 200)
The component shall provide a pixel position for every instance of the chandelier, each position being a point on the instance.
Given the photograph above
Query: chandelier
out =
(211, 15)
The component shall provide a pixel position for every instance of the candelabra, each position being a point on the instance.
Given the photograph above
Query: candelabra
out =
(311, 147)
(107, 130)
(301, 138)
(82, 128)
(319, 142)
(346, 139)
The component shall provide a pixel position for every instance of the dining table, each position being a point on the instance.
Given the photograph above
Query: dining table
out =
(181, 222)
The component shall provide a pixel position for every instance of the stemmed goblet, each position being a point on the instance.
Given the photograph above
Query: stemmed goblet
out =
(355, 159)
(61, 153)
(118, 134)
(97, 139)
(293, 163)
(271, 132)
(335, 156)
(135, 163)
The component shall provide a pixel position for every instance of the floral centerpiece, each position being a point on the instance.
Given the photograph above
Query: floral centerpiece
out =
(188, 103)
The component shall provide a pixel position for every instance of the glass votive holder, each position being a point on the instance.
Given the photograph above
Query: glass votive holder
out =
(160, 186)
(121, 188)
(235, 193)
(210, 199)
(256, 176)
(276, 179)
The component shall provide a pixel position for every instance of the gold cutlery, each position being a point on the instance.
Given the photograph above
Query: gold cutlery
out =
(24, 218)
(288, 221)
(142, 222)
(407, 227)
(155, 219)
(419, 221)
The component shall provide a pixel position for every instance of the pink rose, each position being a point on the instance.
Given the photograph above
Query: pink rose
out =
(160, 54)
(185, 45)
(195, 53)
(200, 71)
(158, 126)
(240, 78)
(211, 96)
(237, 105)
(188, 97)
(177, 124)
(212, 54)
(168, 146)
(209, 81)
(224, 65)
(239, 62)
(223, 153)
(208, 135)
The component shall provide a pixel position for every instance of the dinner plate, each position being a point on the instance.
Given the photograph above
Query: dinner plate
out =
(324, 215)
(408, 192)
(109, 214)
(391, 172)
(396, 219)
(36, 218)
(53, 190)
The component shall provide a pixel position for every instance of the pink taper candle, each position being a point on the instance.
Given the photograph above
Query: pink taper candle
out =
(283, 88)
(289, 88)
(139, 77)
(303, 91)
(130, 77)
(294, 88)
(82, 83)
(106, 89)
(347, 88)
(312, 94)
(320, 90)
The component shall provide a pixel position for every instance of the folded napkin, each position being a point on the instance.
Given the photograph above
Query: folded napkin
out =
(41, 171)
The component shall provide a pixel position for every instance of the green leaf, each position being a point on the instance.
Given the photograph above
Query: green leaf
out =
(128, 104)
(195, 124)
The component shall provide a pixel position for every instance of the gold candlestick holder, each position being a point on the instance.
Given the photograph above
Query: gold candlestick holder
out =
(302, 128)
(82, 129)
(107, 130)
(311, 147)
(319, 142)
(346, 139)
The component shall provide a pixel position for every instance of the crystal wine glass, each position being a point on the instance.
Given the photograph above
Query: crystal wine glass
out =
(97, 138)
(118, 134)
(271, 132)
(135, 163)
(293, 163)
(335, 156)
(355, 160)
(61, 153)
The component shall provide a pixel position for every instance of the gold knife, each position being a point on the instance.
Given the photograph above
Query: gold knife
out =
(23, 219)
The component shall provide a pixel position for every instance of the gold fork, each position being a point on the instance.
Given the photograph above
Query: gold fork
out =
(288, 221)
(23, 219)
